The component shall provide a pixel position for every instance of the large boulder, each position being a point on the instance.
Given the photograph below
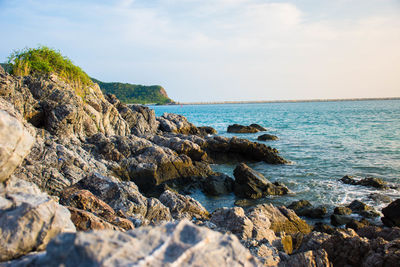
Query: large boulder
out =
(369, 181)
(183, 206)
(173, 244)
(218, 184)
(15, 140)
(237, 128)
(267, 137)
(311, 258)
(304, 208)
(392, 214)
(29, 219)
(252, 184)
(174, 123)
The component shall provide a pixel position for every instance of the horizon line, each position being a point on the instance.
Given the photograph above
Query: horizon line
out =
(285, 101)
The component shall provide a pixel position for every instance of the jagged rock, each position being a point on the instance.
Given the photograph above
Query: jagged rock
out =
(299, 204)
(183, 206)
(125, 198)
(29, 219)
(264, 251)
(304, 208)
(173, 244)
(342, 211)
(86, 201)
(261, 226)
(207, 130)
(347, 179)
(323, 228)
(86, 221)
(219, 184)
(174, 123)
(252, 184)
(282, 219)
(141, 119)
(237, 128)
(157, 213)
(311, 258)
(392, 214)
(373, 232)
(267, 137)
(233, 220)
(313, 241)
(15, 140)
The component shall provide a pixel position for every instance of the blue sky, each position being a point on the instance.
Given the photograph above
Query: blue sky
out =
(215, 50)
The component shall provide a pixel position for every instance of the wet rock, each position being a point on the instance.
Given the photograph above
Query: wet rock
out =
(174, 244)
(183, 206)
(348, 180)
(355, 225)
(267, 137)
(373, 182)
(252, 184)
(207, 130)
(380, 198)
(392, 214)
(304, 208)
(258, 127)
(363, 209)
(244, 202)
(237, 128)
(219, 184)
(233, 220)
(29, 219)
(282, 219)
(86, 201)
(311, 258)
(342, 211)
(15, 140)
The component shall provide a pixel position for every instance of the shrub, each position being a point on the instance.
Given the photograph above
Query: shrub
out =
(45, 61)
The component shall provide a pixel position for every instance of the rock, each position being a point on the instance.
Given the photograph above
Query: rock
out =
(173, 244)
(219, 184)
(86, 221)
(15, 140)
(342, 211)
(380, 198)
(356, 225)
(282, 219)
(244, 202)
(392, 214)
(207, 130)
(174, 123)
(373, 182)
(86, 201)
(323, 228)
(183, 206)
(363, 209)
(373, 232)
(236, 128)
(261, 225)
(348, 180)
(125, 198)
(252, 184)
(311, 258)
(313, 241)
(338, 220)
(267, 137)
(264, 251)
(233, 220)
(304, 208)
(29, 219)
(258, 127)
(300, 204)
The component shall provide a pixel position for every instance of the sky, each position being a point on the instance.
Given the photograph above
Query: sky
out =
(220, 50)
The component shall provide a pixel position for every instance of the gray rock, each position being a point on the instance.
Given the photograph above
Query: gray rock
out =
(183, 206)
(311, 258)
(252, 184)
(174, 123)
(207, 130)
(29, 219)
(219, 184)
(338, 220)
(304, 208)
(177, 244)
(233, 220)
(15, 140)
(237, 128)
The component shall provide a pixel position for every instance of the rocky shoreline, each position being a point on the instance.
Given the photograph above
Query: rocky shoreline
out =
(91, 181)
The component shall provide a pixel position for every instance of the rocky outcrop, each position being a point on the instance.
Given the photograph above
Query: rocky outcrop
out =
(363, 209)
(252, 184)
(29, 219)
(15, 140)
(233, 220)
(311, 258)
(207, 130)
(174, 123)
(183, 207)
(178, 244)
(237, 128)
(392, 214)
(267, 137)
(304, 208)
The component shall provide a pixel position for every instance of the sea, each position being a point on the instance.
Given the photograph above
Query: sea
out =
(323, 142)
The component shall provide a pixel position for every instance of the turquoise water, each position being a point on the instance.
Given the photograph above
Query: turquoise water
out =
(323, 140)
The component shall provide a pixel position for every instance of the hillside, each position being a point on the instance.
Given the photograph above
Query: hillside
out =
(134, 93)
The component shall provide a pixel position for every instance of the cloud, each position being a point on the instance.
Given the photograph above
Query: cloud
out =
(221, 49)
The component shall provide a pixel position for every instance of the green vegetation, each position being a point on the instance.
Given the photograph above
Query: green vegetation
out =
(133, 93)
(45, 61)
